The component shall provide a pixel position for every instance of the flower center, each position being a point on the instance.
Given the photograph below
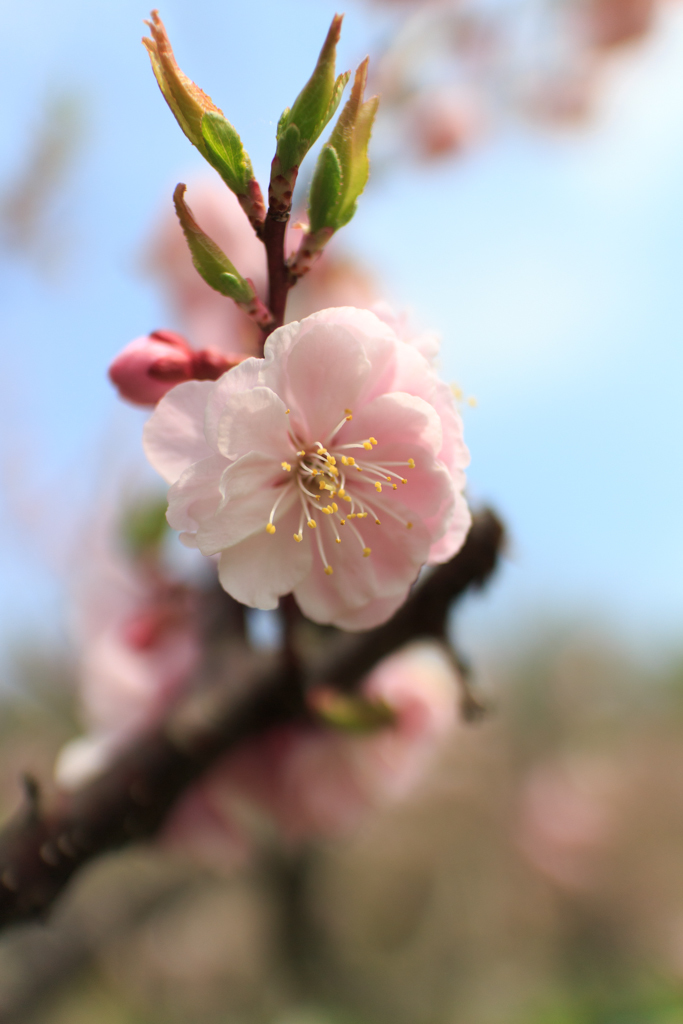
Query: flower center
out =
(335, 486)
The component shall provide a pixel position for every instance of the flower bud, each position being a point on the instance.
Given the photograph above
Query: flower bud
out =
(150, 366)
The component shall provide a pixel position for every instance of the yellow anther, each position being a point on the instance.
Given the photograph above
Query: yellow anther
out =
(352, 515)
(314, 472)
(298, 537)
(351, 461)
(337, 540)
(286, 466)
(411, 463)
(341, 492)
(332, 471)
(349, 413)
(328, 511)
(394, 487)
(367, 445)
(403, 480)
(373, 440)
(322, 485)
(456, 391)
(322, 451)
(301, 453)
(287, 411)
(366, 552)
(342, 522)
(409, 525)
(328, 570)
(331, 461)
(472, 402)
(362, 515)
(335, 506)
(378, 486)
(345, 497)
(270, 528)
(377, 522)
(311, 523)
(345, 461)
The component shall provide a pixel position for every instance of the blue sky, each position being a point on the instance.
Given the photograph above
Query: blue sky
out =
(552, 266)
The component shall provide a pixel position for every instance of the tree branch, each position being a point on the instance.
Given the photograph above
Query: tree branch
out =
(40, 849)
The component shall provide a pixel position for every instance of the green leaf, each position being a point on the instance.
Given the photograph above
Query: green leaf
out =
(226, 152)
(350, 713)
(325, 189)
(144, 525)
(209, 259)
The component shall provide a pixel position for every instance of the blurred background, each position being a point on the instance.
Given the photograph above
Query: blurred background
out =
(526, 203)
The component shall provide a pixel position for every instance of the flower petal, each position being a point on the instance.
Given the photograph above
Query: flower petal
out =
(243, 377)
(196, 495)
(250, 488)
(260, 569)
(173, 437)
(255, 420)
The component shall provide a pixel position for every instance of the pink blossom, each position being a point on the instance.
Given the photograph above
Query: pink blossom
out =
(147, 368)
(332, 468)
(315, 781)
(139, 643)
(444, 122)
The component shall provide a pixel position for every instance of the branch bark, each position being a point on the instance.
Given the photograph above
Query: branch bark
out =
(42, 848)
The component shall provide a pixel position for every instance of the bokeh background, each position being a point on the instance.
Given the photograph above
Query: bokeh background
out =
(538, 877)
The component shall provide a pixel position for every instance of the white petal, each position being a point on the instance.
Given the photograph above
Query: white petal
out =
(196, 494)
(250, 488)
(173, 437)
(243, 377)
(265, 566)
(255, 420)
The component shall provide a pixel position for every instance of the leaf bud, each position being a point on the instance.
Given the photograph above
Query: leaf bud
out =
(214, 266)
(350, 712)
(204, 123)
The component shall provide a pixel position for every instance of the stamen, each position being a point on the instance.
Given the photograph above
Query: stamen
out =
(270, 528)
(367, 445)
(409, 525)
(301, 453)
(328, 570)
(373, 440)
(298, 536)
(366, 552)
(287, 411)
(411, 463)
(286, 466)
(378, 486)
(312, 523)
(349, 414)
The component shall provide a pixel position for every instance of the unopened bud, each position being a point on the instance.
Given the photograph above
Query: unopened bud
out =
(149, 367)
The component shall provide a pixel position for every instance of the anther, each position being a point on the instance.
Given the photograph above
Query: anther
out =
(337, 540)
(301, 453)
(312, 524)
(298, 536)
(378, 486)
(378, 522)
(286, 466)
(335, 506)
(328, 570)
(409, 525)
(342, 522)
(403, 480)
(349, 414)
(394, 487)
(270, 528)
(287, 411)
(373, 440)
(411, 463)
(367, 445)
(366, 552)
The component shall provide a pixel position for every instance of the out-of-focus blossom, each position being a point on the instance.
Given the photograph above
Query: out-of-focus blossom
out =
(444, 122)
(139, 640)
(613, 22)
(333, 468)
(567, 819)
(538, 60)
(315, 781)
(148, 367)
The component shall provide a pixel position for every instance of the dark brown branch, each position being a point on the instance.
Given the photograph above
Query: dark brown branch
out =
(279, 278)
(41, 849)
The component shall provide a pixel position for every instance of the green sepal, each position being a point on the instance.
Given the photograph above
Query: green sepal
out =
(325, 188)
(350, 713)
(315, 104)
(209, 259)
(226, 153)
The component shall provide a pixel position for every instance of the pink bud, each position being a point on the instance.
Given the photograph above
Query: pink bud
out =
(150, 366)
